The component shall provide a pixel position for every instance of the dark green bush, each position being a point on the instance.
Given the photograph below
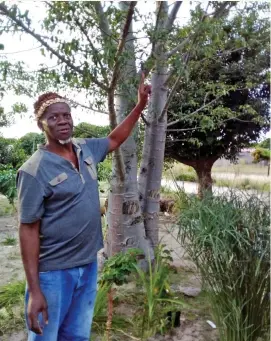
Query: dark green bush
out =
(192, 177)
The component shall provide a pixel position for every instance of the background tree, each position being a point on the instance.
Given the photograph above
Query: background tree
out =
(223, 106)
(261, 154)
(11, 153)
(87, 130)
(265, 143)
(30, 141)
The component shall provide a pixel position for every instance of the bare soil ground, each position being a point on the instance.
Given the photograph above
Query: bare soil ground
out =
(193, 322)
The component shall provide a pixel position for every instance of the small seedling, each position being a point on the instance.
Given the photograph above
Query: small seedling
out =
(9, 241)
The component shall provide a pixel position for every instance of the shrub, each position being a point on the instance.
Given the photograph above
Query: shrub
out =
(104, 170)
(8, 183)
(192, 177)
(228, 239)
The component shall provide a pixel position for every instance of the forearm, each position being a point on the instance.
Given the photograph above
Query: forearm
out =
(30, 246)
(124, 129)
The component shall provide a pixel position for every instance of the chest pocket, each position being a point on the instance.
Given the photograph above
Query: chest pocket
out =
(64, 186)
(91, 167)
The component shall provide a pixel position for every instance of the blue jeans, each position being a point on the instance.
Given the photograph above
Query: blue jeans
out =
(70, 296)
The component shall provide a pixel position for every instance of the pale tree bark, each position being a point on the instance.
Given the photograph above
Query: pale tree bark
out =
(126, 226)
(154, 142)
(154, 139)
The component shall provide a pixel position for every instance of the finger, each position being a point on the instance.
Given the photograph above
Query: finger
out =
(36, 328)
(142, 79)
(45, 316)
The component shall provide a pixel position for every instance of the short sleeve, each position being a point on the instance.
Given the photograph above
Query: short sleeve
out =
(30, 198)
(99, 148)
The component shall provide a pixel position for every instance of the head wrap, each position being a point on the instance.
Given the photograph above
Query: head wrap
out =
(46, 104)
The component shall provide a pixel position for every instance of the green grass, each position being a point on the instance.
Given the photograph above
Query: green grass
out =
(245, 184)
(5, 208)
(181, 172)
(191, 177)
(8, 241)
(241, 168)
(255, 169)
(228, 238)
(12, 307)
(11, 294)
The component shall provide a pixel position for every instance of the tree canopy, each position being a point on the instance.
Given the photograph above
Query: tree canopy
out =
(223, 105)
(265, 143)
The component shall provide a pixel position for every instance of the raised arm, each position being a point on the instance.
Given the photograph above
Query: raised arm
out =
(124, 129)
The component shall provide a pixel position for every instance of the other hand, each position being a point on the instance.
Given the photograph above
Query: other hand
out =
(37, 304)
(143, 92)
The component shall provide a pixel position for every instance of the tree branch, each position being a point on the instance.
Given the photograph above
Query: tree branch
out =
(38, 37)
(222, 122)
(217, 14)
(193, 113)
(178, 47)
(95, 51)
(122, 42)
(104, 26)
(172, 15)
(185, 129)
(75, 103)
(148, 64)
(113, 84)
(144, 119)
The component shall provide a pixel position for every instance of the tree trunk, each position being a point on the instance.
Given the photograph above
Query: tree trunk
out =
(203, 169)
(126, 226)
(154, 141)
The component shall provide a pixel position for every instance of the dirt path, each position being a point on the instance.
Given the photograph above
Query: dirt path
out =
(10, 260)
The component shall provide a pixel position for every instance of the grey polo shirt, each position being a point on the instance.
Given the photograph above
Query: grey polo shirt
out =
(66, 201)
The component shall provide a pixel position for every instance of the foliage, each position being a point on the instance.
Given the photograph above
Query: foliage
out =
(86, 130)
(11, 153)
(12, 307)
(105, 169)
(260, 154)
(30, 141)
(192, 177)
(12, 294)
(244, 184)
(228, 238)
(8, 183)
(226, 92)
(155, 283)
(118, 267)
(9, 241)
(265, 144)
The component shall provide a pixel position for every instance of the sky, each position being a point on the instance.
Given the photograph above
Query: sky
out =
(28, 50)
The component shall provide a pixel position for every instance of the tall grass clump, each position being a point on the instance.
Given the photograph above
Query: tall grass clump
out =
(12, 307)
(228, 239)
(158, 300)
